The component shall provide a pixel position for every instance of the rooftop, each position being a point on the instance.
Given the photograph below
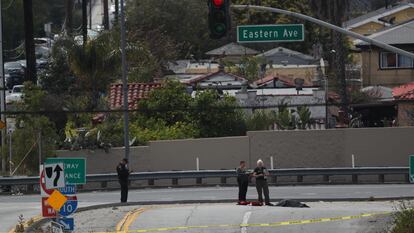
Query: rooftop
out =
(397, 35)
(284, 56)
(374, 16)
(404, 92)
(232, 49)
(136, 92)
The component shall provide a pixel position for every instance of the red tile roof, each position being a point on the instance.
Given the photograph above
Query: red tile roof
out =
(404, 92)
(136, 92)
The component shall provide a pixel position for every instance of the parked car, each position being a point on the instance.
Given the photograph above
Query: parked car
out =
(16, 95)
(14, 74)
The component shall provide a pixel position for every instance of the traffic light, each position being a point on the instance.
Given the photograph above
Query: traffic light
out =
(219, 18)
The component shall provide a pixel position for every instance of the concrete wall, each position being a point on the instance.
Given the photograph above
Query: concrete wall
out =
(290, 149)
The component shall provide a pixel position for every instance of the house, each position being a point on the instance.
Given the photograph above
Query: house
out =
(291, 65)
(380, 67)
(270, 99)
(279, 81)
(218, 80)
(377, 20)
(231, 52)
(191, 67)
(404, 98)
(136, 92)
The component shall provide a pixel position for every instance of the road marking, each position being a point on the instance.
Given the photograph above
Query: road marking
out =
(244, 224)
(27, 223)
(129, 218)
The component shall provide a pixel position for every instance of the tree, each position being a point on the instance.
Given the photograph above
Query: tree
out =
(28, 128)
(95, 65)
(217, 116)
(335, 11)
(85, 21)
(170, 103)
(184, 21)
(106, 14)
(259, 120)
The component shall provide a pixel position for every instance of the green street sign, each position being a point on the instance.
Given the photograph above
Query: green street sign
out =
(412, 168)
(270, 33)
(75, 169)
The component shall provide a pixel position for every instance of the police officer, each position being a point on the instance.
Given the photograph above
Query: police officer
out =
(243, 182)
(123, 174)
(260, 172)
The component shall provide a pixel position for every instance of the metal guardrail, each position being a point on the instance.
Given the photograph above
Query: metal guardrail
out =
(224, 174)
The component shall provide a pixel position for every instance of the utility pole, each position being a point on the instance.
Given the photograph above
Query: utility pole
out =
(85, 21)
(68, 12)
(106, 14)
(2, 97)
(90, 14)
(40, 147)
(124, 81)
(29, 41)
(116, 11)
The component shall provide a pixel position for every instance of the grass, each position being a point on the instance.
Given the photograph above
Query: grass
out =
(404, 218)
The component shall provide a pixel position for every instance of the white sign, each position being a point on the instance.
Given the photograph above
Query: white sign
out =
(56, 227)
(54, 175)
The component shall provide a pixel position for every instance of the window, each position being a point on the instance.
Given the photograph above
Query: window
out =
(394, 61)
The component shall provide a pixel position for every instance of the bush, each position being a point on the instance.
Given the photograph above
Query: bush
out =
(404, 219)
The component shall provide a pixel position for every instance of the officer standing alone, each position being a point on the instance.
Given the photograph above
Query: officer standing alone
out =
(243, 182)
(123, 174)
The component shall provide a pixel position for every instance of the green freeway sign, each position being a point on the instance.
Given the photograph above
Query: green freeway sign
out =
(75, 169)
(270, 33)
(412, 168)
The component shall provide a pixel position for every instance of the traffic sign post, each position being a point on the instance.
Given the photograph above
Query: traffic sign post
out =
(75, 169)
(270, 33)
(412, 168)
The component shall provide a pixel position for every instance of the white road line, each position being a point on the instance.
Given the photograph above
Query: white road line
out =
(245, 221)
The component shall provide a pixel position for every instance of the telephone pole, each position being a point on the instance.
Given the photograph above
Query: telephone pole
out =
(29, 41)
(2, 97)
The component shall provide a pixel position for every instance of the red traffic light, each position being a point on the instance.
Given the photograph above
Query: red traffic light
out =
(218, 3)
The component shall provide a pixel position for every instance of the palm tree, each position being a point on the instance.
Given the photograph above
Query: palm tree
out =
(95, 65)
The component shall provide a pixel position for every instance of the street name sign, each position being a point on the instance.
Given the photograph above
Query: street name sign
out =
(412, 168)
(75, 169)
(270, 33)
(54, 175)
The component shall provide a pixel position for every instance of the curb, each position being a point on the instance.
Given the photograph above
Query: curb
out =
(43, 221)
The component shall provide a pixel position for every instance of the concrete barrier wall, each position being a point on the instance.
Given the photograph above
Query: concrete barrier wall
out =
(289, 149)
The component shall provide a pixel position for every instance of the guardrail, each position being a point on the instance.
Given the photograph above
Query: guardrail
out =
(175, 176)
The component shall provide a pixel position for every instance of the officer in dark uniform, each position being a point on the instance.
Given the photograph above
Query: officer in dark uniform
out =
(243, 182)
(123, 174)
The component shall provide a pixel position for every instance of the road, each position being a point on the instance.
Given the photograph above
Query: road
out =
(29, 205)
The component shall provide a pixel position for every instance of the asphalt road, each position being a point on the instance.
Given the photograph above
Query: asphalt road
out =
(29, 205)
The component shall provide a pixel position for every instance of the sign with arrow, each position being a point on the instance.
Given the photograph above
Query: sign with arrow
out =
(54, 175)
(75, 169)
(68, 224)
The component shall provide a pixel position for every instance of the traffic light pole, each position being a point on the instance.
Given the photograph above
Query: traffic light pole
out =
(2, 96)
(327, 25)
(124, 81)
